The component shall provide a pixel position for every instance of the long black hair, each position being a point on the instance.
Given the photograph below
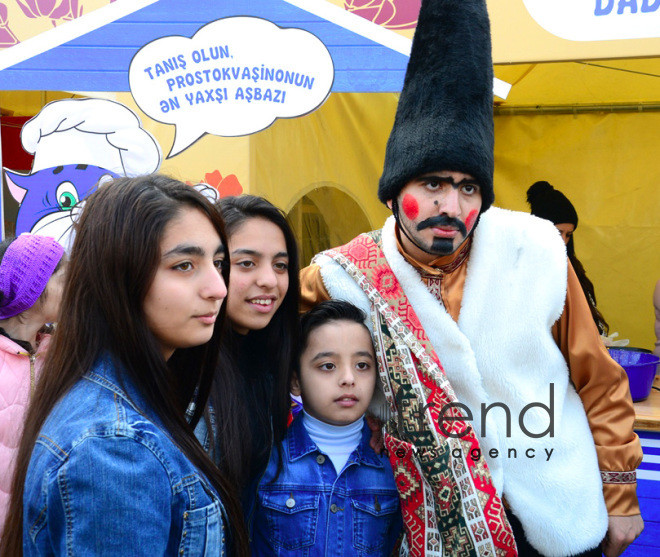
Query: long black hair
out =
(113, 263)
(549, 203)
(232, 402)
(587, 288)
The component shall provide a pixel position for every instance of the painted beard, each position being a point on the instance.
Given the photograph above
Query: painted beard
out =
(443, 246)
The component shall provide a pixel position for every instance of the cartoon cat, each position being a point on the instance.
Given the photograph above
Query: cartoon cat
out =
(51, 199)
(77, 144)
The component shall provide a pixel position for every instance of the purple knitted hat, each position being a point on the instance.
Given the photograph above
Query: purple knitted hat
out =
(26, 267)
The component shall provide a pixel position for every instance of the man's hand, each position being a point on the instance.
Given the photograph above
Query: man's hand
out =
(621, 532)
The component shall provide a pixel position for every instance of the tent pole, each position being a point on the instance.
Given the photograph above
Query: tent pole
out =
(574, 109)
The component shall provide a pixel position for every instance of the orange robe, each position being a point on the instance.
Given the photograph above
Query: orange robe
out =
(599, 381)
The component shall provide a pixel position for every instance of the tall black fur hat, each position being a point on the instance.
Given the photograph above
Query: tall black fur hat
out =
(548, 203)
(444, 119)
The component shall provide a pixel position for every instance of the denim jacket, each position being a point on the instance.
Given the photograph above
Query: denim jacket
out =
(310, 510)
(105, 479)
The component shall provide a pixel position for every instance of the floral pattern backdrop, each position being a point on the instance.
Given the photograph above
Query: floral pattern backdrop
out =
(23, 19)
(391, 14)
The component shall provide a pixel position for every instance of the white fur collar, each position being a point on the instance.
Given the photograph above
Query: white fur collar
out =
(502, 350)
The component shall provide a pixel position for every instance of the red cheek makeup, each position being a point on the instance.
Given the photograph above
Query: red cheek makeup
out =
(410, 206)
(469, 221)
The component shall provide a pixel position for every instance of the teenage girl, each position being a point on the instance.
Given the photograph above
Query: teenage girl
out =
(109, 463)
(250, 397)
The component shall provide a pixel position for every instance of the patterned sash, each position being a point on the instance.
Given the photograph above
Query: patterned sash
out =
(450, 506)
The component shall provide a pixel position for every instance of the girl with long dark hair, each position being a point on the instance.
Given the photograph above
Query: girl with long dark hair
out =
(108, 462)
(250, 397)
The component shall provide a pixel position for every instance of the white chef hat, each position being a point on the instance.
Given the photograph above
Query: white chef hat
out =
(97, 132)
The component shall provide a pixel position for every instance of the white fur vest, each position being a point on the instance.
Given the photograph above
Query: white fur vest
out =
(502, 351)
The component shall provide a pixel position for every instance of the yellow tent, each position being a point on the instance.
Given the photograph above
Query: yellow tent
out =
(581, 114)
(323, 171)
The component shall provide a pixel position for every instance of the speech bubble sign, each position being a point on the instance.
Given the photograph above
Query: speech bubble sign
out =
(234, 77)
(597, 20)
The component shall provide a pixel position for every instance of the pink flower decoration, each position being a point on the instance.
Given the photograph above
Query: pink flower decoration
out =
(7, 37)
(391, 14)
(54, 9)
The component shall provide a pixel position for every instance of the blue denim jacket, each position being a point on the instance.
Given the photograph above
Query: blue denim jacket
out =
(104, 479)
(310, 510)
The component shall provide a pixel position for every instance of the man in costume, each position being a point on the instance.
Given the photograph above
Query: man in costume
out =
(512, 426)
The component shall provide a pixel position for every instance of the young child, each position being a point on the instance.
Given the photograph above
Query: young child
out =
(327, 492)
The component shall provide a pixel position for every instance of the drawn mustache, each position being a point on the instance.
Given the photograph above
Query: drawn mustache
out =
(443, 220)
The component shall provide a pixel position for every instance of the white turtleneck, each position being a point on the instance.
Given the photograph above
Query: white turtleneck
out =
(336, 441)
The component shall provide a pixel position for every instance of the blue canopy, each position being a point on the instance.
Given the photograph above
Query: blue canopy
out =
(99, 60)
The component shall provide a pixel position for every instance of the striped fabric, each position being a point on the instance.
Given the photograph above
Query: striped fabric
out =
(648, 491)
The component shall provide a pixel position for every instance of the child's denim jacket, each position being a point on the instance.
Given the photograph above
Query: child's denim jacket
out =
(104, 479)
(309, 510)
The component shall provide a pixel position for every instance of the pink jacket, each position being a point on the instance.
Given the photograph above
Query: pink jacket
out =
(18, 373)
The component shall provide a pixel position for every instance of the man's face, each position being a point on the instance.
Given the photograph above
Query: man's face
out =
(438, 210)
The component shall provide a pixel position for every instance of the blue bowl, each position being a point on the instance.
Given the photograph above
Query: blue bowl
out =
(640, 366)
